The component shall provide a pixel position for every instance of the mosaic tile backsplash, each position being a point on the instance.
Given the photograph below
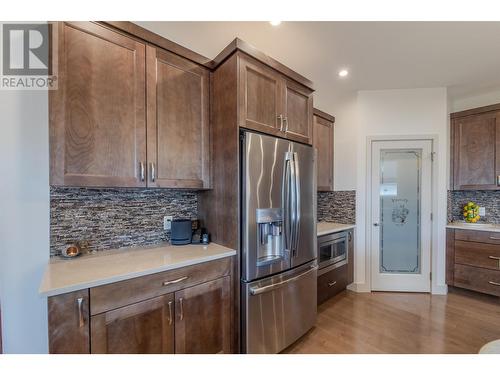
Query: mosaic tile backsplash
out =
(337, 206)
(490, 199)
(111, 218)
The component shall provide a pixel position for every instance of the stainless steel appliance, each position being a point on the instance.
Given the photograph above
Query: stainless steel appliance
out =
(332, 250)
(279, 243)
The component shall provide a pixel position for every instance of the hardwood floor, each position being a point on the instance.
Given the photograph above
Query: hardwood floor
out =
(460, 322)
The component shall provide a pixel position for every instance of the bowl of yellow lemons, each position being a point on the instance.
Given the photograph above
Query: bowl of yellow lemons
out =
(471, 212)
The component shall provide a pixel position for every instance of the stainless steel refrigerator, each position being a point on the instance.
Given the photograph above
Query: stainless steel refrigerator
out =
(279, 242)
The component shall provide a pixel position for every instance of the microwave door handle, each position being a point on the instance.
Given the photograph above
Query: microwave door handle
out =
(297, 200)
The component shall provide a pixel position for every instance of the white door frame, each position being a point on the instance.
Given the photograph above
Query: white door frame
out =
(368, 212)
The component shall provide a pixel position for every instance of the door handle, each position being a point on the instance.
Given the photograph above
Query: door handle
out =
(297, 200)
(494, 238)
(142, 173)
(498, 180)
(81, 320)
(494, 283)
(268, 288)
(492, 257)
(285, 120)
(280, 117)
(181, 305)
(376, 224)
(285, 202)
(170, 318)
(332, 283)
(153, 172)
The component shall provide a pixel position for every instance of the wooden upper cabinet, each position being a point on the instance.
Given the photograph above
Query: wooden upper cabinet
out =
(298, 112)
(476, 152)
(271, 103)
(142, 328)
(69, 323)
(323, 141)
(260, 97)
(178, 138)
(97, 115)
(203, 318)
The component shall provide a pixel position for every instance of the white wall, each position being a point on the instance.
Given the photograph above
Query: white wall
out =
(475, 100)
(405, 113)
(24, 219)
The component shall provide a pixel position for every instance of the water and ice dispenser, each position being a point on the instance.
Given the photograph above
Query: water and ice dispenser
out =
(270, 247)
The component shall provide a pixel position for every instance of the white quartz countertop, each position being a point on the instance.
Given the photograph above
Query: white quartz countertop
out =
(474, 226)
(325, 227)
(87, 271)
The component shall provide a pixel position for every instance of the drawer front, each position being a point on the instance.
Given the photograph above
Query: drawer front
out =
(477, 236)
(478, 279)
(112, 296)
(332, 282)
(477, 254)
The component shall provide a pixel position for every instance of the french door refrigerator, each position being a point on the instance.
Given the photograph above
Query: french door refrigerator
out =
(279, 242)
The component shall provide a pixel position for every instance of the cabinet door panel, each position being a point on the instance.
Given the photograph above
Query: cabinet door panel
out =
(142, 328)
(98, 114)
(178, 121)
(298, 112)
(260, 97)
(323, 141)
(476, 154)
(69, 323)
(203, 322)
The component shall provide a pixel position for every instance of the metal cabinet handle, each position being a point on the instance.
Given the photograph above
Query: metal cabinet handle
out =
(494, 283)
(280, 117)
(165, 283)
(494, 238)
(170, 316)
(332, 283)
(81, 320)
(492, 257)
(181, 305)
(285, 119)
(498, 180)
(142, 171)
(153, 172)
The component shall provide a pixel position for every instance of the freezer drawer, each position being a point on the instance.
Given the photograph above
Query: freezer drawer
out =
(278, 310)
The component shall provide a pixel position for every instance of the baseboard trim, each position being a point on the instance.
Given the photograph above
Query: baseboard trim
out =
(439, 289)
(359, 288)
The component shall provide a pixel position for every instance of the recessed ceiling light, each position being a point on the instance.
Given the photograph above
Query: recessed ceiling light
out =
(275, 23)
(343, 73)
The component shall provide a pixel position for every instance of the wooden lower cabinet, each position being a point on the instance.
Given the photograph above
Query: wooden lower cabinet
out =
(195, 318)
(203, 318)
(332, 282)
(142, 328)
(473, 260)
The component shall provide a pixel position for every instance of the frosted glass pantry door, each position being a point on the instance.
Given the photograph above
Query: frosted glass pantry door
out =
(401, 215)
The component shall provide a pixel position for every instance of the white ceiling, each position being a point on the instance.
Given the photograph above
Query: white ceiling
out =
(463, 56)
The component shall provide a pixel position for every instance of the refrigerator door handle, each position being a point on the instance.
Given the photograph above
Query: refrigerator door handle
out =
(268, 288)
(293, 204)
(297, 201)
(285, 203)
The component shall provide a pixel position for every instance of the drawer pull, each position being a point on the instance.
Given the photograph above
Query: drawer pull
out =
(494, 238)
(492, 257)
(165, 283)
(181, 304)
(494, 283)
(170, 317)
(332, 283)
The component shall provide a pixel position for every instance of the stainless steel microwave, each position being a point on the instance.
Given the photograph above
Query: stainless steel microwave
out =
(333, 249)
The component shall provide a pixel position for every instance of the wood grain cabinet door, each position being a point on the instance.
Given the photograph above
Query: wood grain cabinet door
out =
(69, 323)
(298, 112)
(260, 96)
(97, 114)
(178, 138)
(142, 328)
(203, 318)
(323, 141)
(476, 152)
